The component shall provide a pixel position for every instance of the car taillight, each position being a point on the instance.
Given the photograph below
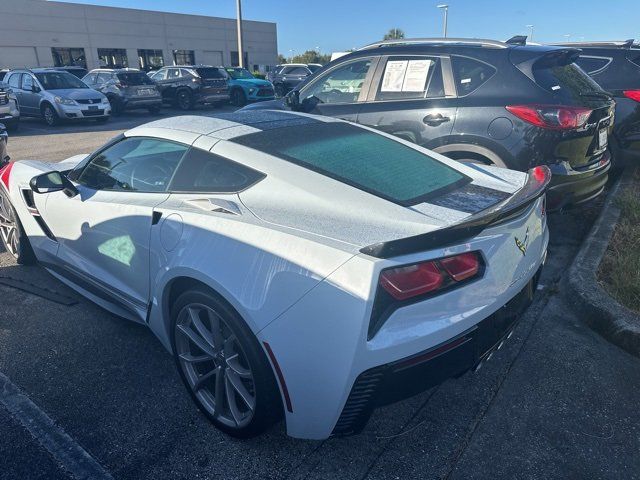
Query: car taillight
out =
(632, 94)
(411, 281)
(5, 172)
(555, 117)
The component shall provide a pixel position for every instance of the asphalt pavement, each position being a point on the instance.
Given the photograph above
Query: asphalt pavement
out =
(557, 401)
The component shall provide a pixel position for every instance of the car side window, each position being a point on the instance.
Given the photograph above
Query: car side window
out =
(593, 65)
(14, 80)
(410, 78)
(173, 73)
(103, 78)
(90, 79)
(27, 82)
(185, 73)
(133, 165)
(203, 171)
(341, 85)
(470, 74)
(159, 75)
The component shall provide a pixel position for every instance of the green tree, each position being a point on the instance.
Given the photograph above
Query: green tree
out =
(311, 56)
(394, 34)
(281, 59)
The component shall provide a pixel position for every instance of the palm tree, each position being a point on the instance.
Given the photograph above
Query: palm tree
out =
(394, 34)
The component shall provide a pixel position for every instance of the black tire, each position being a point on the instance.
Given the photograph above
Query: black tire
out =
(268, 405)
(116, 105)
(184, 99)
(21, 250)
(155, 110)
(238, 98)
(280, 90)
(49, 115)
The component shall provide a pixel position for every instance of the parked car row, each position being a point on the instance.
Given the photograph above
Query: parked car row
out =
(506, 104)
(62, 93)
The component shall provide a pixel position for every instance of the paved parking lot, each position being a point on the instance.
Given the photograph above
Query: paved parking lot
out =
(556, 402)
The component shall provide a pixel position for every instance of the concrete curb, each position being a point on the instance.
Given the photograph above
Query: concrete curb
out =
(597, 308)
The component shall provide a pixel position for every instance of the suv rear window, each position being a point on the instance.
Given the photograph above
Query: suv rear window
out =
(470, 74)
(134, 78)
(568, 82)
(211, 73)
(365, 160)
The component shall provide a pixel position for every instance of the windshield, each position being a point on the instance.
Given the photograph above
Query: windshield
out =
(237, 73)
(211, 73)
(134, 78)
(59, 81)
(365, 160)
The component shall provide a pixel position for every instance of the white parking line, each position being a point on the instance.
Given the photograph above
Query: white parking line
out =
(64, 449)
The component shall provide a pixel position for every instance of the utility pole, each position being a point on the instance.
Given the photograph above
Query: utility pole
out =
(444, 8)
(240, 46)
(530, 27)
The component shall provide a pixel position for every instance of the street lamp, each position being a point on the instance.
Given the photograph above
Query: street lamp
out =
(530, 27)
(445, 8)
(239, 20)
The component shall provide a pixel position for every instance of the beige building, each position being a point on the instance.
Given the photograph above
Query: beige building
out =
(44, 33)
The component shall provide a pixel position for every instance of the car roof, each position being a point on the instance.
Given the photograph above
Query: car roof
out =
(229, 125)
(40, 70)
(115, 70)
(190, 66)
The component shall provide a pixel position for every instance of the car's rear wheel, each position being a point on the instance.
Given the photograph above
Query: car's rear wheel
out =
(184, 100)
(50, 116)
(222, 365)
(13, 237)
(238, 98)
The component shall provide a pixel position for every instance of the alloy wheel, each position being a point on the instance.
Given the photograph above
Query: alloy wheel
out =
(8, 227)
(215, 366)
(184, 100)
(49, 116)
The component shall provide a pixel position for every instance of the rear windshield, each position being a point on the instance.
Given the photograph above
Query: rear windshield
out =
(362, 159)
(211, 73)
(134, 78)
(567, 82)
(59, 81)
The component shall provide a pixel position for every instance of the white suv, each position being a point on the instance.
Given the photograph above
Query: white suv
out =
(9, 110)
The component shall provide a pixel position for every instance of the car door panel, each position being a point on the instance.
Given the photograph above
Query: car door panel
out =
(420, 117)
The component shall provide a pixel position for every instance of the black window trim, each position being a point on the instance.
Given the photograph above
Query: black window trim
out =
(368, 79)
(77, 171)
(495, 71)
(596, 57)
(260, 176)
(446, 82)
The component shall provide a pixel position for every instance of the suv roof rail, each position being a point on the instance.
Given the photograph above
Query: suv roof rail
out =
(437, 41)
(517, 40)
(610, 43)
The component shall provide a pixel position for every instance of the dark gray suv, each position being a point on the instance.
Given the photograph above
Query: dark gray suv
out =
(126, 89)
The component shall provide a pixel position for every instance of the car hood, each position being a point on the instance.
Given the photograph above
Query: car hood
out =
(77, 93)
(277, 104)
(257, 82)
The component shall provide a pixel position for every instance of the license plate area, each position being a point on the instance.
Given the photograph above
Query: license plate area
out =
(93, 107)
(603, 138)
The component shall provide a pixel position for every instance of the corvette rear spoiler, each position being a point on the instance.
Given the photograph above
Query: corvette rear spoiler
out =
(536, 185)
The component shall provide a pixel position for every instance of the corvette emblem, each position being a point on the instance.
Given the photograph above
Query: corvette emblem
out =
(522, 245)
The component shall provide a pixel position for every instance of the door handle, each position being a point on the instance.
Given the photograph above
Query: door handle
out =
(435, 119)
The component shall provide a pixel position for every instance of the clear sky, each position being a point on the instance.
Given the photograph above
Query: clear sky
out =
(336, 25)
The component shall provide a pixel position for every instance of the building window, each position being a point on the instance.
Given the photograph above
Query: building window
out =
(69, 57)
(184, 57)
(150, 59)
(235, 60)
(113, 57)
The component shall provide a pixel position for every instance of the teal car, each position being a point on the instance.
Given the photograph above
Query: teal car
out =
(245, 88)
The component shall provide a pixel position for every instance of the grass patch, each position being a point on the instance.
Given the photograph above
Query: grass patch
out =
(620, 268)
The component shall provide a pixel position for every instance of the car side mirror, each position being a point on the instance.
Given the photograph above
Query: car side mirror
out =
(292, 100)
(53, 182)
(35, 88)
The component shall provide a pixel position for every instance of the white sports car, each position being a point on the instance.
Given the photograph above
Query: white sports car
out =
(292, 264)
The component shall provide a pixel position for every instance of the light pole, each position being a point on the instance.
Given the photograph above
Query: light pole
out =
(530, 27)
(239, 20)
(444, 8)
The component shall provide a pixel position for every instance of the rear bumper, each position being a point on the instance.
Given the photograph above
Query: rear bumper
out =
(572, 187)
(409, 376)
(149, 102)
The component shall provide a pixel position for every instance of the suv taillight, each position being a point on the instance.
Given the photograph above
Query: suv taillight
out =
(632, 94)
(555, 117)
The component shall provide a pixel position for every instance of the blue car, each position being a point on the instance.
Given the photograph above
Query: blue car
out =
(245, 88)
